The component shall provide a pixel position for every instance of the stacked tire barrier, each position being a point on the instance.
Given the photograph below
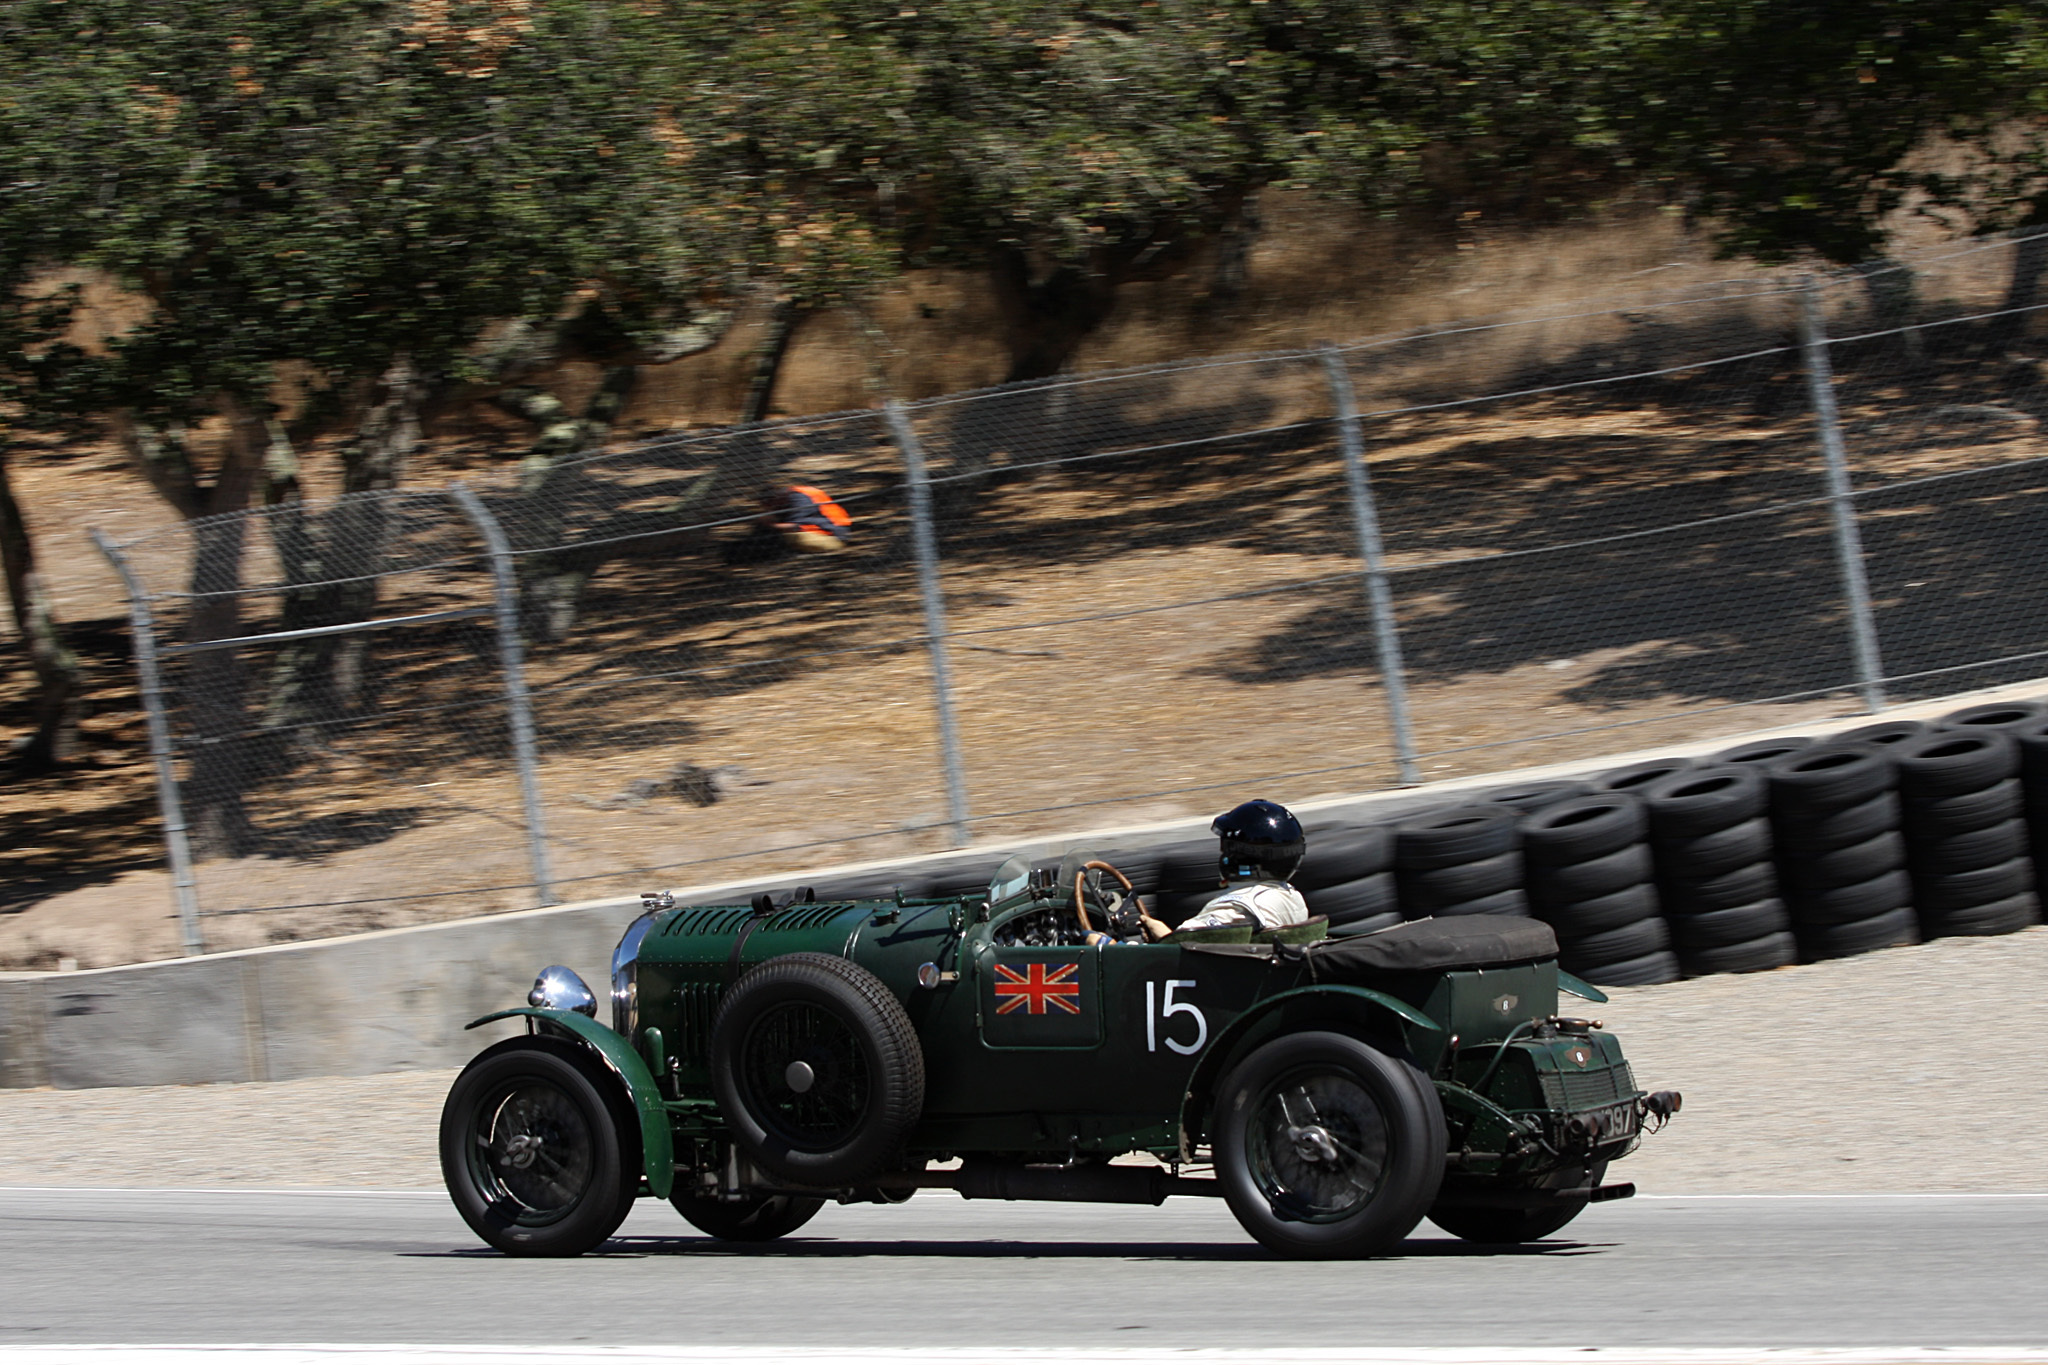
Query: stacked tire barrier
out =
(1590, 877)
(1840, 857)
(1768, 853)
(1710, 841)
(1966, 841)
(1459, 860)
(1348, 877)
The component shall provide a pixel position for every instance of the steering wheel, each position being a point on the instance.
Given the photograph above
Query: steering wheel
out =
(1081, 902)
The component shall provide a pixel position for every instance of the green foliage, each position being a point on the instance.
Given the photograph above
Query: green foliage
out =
(1787, 121)
(336, 182)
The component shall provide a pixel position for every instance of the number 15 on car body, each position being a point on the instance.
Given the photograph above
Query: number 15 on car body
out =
(1161, 1007)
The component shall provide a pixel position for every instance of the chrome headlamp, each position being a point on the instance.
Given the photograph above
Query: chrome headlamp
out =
(625, 973)
(558, 988)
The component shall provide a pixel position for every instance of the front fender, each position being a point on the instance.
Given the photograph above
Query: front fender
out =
(657, 1147)
(1296, 1008)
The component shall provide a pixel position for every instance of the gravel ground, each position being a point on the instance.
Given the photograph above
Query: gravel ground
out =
(1891, 1072)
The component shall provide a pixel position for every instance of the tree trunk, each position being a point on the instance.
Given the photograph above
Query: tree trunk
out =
(1046, 316)
(552, 584)
(60, 681)
(359, 529)
(2029, 261)
(214, 685)
(783, 321)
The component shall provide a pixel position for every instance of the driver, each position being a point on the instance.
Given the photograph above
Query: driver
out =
(1260, 844)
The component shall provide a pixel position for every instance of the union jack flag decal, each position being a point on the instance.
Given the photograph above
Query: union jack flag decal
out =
(1034, 989)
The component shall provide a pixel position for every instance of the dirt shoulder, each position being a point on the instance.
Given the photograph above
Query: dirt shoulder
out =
(1895, 1071)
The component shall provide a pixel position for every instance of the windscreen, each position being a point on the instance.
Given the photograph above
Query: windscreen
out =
(1011, 879)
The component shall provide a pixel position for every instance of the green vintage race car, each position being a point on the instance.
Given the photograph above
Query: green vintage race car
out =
(765, 1058)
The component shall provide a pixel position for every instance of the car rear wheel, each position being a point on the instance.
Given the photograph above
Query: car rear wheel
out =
(1328, 1147)
(533, 1151)
(761, 1218)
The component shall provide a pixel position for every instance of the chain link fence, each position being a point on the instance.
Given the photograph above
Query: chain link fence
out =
(1107, 598)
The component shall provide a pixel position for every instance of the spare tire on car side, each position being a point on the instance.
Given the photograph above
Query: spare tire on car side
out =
(817, 1069)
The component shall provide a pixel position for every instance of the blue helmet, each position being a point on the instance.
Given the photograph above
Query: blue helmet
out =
(1258, 838)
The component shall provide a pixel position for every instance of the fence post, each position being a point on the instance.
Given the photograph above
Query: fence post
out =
(1820, 382)
(512, 659)
(184, 890)
(927, 548)
(1378, 597)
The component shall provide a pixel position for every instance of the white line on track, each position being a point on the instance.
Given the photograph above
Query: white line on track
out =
(316, 1354)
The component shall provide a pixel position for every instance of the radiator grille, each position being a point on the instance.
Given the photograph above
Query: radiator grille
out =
(696, 1007)
(1574, 1091)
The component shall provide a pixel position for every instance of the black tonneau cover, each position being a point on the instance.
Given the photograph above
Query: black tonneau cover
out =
(1435, 945)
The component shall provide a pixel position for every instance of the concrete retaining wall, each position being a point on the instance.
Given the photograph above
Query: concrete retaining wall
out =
(397, 1000)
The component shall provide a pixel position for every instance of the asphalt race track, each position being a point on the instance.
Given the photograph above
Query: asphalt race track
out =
(164, 1266)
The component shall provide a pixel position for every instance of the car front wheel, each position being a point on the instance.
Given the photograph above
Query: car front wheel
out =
(533, 1152)
(1328, 1147)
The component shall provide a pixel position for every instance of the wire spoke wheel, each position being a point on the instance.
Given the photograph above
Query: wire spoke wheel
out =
(533, 1149)
(534, 1153)
(806, 1075)
(1327, 1146)
(1318, 1146)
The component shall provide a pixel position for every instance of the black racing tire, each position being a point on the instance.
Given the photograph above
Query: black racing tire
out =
(1865, 820)
(757, 1218)
(1726, 928)
(1643, 937)
(1996, 715)
(1507, 1227)
(1824, 778)
(1188, 865)
(1885, 733)
(1534, 796)
(1937, 817)
(1636, 777)
(1894, 928)
(1709, 855)
(1630, 866)
(862, 1089)
(1952, 763)
(1430, 888)
(1345, 854)
(2033, 741)
(1846, 904)
(1602, 913)
(1583, 828)
(1760, 751)
(1845, 866)
(1949, 892)
(1966, 852)
(1514, 901)
(1701, 801)
(1743, 886)
(1352, 1180)
(1347, 901)
(1459, 834)
(2007, 916)
(1653, 970)
(1756, 955)
(538, 1149)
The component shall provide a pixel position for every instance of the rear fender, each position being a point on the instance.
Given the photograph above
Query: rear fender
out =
(1356, 1010)
(657, 1147)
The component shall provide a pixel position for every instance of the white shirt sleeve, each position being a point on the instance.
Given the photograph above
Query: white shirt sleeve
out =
(1263, 905)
